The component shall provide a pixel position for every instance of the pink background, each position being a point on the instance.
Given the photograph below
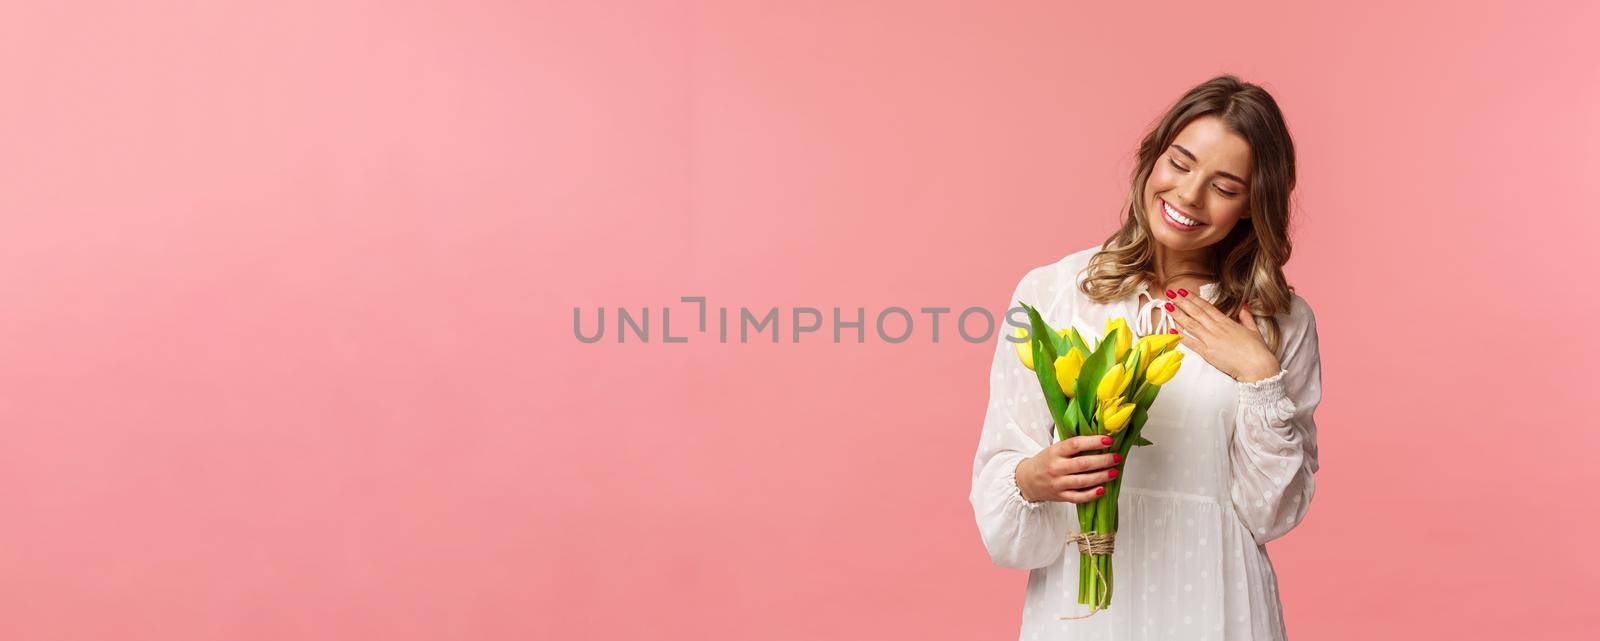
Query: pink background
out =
(288, 301)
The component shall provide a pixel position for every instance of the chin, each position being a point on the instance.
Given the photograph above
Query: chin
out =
(1166, 240)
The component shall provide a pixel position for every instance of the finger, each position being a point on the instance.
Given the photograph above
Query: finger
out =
(1186, 324)
(1098, 461)
(1204, 308)
(1080, 481)
(1192, 310)
(1081, 496)
(1082, 463)
(1192, 342)
(1072, 446)
(1248, 320)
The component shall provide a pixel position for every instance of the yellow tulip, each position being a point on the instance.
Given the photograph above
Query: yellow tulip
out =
(1067, 368)
(1024, 348)
(1164, 368)
(1160, 343)
(1124, 337)
(1114, 383)
(1115, 417)
(1141, 351)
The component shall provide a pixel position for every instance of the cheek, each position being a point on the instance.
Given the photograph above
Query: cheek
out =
(1225, 215)
(1227, 209)
(1160, 180)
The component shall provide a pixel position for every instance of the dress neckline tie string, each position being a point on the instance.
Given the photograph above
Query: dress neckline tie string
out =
(1143, 327)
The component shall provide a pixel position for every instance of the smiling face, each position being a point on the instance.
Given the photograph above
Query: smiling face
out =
(1199, 188)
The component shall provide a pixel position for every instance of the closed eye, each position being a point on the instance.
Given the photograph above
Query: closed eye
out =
(1184, 169)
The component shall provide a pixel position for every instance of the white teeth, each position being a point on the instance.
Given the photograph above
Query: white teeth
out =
(1177, 216)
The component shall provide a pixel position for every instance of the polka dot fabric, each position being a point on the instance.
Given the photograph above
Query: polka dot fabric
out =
(1232, 468)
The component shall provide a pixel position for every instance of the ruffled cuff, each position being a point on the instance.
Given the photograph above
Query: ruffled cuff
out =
(1014, 493)
(1265, 391)
(1270, 397)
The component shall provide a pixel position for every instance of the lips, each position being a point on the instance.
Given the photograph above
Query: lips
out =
(1179, 219)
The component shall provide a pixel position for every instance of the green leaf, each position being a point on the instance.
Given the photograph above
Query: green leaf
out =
(1037, 327)
(1094, 368)
(1141, 414)
(1132, 364)
(1068, 426)
(1146, 395)
(1077, 339)
(1061, 343)
(1044, 364)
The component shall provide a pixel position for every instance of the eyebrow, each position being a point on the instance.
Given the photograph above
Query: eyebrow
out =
(1224, 174)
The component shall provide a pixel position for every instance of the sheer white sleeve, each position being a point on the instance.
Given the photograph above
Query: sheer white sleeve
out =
(1274, 450)
(1019, 533)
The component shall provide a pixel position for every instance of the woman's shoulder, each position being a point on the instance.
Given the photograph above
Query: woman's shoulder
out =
(1066, 270)
(1297, 326)
(1076, 261)
(1299, 313)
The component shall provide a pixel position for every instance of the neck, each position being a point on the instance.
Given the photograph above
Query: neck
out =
(1173, 264)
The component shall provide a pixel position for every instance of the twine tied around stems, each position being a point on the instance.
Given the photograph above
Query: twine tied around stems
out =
(1094, 543)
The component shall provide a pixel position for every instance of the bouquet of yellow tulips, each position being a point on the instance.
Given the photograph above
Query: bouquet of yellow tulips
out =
(1101, 389)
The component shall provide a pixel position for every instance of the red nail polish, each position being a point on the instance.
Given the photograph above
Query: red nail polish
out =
(1183, 292)
(1105, 440)
(1099, 490)
(1170, 307)
(1170, 294)
(1174, 331)
(1112, 474)
(1116, 458)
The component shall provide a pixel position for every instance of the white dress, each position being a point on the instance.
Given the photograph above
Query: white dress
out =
(1231, 468)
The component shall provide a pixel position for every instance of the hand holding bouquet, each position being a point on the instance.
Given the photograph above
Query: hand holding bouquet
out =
(1101, 389)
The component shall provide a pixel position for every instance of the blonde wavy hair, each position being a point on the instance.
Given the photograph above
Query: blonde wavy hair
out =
(1247, 264)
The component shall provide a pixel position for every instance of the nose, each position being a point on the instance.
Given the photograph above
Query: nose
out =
(1189, 191)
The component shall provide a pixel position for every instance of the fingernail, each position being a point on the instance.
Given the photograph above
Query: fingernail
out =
(1170, 294)
(1174, 331)
(1099, 490)
(1112, 474)
(1105, 440)
(1116, 458)
(1183, 292)
(1170, 307)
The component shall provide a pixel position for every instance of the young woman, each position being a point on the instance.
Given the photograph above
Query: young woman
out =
(1200, 253)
